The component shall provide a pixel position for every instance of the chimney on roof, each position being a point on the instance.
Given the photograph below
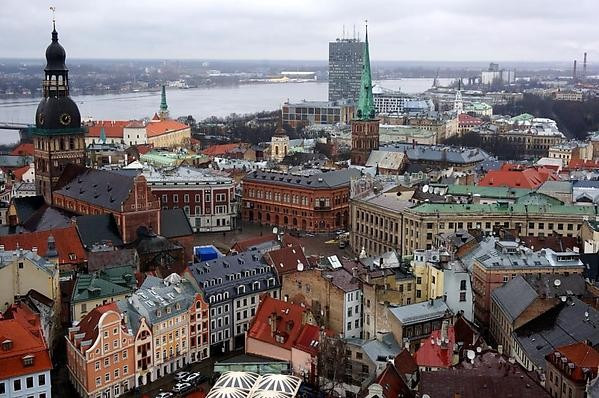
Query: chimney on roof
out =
(51, 252)
(445, 330)
(272, 321)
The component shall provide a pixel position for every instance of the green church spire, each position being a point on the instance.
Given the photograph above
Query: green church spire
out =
(103, 135)
(163, 114)
(163, 105)
(365, 109)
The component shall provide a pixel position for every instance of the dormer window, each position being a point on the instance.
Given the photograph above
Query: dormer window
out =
(6, 345)
(240, 289)
(168, 310)
(28, 360)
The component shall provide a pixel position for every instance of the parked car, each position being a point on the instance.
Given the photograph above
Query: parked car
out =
(194, 378)
(181, 375)
(165, 394)
(181, 387)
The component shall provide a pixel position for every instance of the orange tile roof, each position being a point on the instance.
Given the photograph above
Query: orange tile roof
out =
(157, 128)
(288, 322)
(89, 323)
(581, 355)
(583, 164)
(465, 118)
(431, 354)
(18, 173)
(22, 327)
(67, 243)
(308, 335)
(516, 176)
(112, 128)
(220, 149)
(286, 259)
(23, 149)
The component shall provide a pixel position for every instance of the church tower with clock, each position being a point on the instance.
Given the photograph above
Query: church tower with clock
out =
(58, 136)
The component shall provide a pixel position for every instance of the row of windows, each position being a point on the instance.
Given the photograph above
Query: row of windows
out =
(117, 373)
(114, 360)
(18, 384)
(219, 197)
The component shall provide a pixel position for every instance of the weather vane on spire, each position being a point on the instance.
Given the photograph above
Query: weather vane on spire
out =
(53, 9)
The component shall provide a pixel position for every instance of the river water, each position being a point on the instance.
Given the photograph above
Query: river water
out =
(199, 102)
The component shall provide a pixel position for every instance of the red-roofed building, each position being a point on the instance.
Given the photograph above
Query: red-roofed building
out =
(467, 123)
(284, 331)
(24, 358)
(220, 149)
(518, 176)
(25, 173)
(436, 352)
(569, 369)
(580, 164)
(166, 133)
(60, 245)
(101, 354)
(389, 384)
(23, 149)
(114, 131)
(287, 260)
(159, 133)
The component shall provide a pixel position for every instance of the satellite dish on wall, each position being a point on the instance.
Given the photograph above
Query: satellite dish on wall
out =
(425, 188)
(557, 282)
(300, 267)
(275, 230)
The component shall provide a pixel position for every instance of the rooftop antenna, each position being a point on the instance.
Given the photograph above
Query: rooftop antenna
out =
(343, 37)
(354, 31)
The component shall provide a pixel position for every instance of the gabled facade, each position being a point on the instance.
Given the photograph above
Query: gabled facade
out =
(100, 354)
(87, 191)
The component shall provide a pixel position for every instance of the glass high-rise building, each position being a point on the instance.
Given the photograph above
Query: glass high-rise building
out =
(345, 69)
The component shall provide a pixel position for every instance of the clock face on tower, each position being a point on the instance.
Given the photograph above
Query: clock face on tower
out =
(65, 119)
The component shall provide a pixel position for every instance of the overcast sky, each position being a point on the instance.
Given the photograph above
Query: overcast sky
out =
(427, 30)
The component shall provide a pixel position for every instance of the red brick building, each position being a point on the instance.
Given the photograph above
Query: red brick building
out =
(207, 196)
(88, 191)
(316, 203)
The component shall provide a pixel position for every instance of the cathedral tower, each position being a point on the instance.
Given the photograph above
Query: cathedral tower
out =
(58, 136)
(364, 127)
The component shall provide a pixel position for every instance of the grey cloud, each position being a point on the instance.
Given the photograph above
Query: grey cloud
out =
(451, 30)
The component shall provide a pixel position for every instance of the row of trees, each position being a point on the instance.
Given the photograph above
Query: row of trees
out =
(575, 119)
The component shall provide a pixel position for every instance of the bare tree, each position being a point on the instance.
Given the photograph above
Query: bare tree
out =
(332, 366)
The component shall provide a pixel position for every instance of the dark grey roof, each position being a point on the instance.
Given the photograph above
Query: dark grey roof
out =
(112, 258)
(99, 187)
(47, 217)
(25, 207)
(563, 325)
(234, 271)
(174, 223)
(330, 179)
(97, 230)
(439, 153)
(514, 297)
(586, 184)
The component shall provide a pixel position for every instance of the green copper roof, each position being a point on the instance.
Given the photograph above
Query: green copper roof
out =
(106, 283)
(163, 105)
(102, 135)
(365, 109)
(498, 208)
